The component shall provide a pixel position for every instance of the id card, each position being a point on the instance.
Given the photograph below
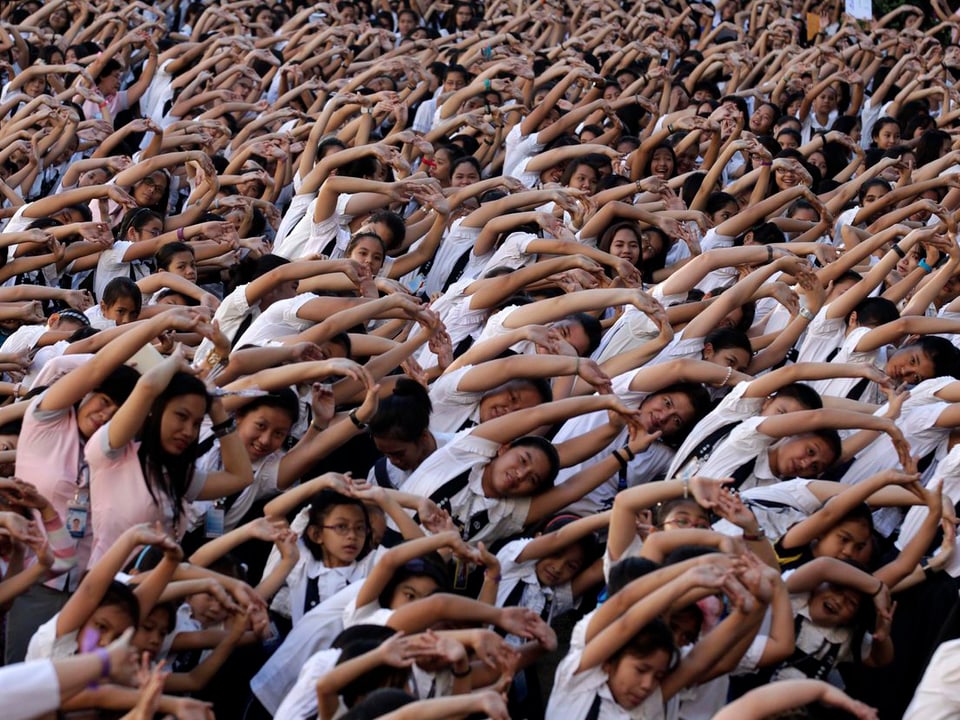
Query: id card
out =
(213, 522)
(78, 514)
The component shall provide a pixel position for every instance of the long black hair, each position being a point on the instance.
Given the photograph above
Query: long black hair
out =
(168, 475)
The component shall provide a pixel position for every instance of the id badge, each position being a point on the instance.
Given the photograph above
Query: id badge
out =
(461, 573)
(213, 522)
(77, 515)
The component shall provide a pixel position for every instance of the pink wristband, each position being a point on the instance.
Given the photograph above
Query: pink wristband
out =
(180, 235)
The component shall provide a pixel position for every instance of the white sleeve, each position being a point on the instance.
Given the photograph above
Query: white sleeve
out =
(29, 689)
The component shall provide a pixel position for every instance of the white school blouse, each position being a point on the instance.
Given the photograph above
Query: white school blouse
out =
(575, 692)
(470, 453)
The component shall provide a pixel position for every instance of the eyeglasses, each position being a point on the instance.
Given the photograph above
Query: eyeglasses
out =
(342, 529)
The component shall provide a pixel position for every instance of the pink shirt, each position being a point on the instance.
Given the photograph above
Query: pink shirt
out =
(119, 496)
(48, 455)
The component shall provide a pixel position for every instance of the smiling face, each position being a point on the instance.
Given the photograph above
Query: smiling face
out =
(507, 399)
(910, 365)
(633, 678)
(583, 178)
(888, 136)
(516, 472)
(560, 568)
(834, 606)
(263, 430)
(668, 412)
(761, 122)
(661, 164)
(149, 191)
(803, 456)
(625, 245)
(464, 175)
(180, 423)
(94, 412)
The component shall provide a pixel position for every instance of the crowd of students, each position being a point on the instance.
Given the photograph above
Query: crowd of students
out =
(566, 360)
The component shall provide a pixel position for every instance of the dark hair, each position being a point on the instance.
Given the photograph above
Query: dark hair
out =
(321, 505)
(879, 125)
(468, 160)
(718, 200)
(663, 510)
(591, 328)
(378, 677)
(404, 415)
(944, 355)
(803, 394)
(673, 157)
(831, 437)
(365, 235)
(136, 218)
(122, 287)
(728, 338)
(164, 255)
(929, 146)
(539, 385)
(653, 636)
(627, 570)
(118, 384)
(120, 595)
(168, 475)
(699, 398)
(547, 448)
(574, 165)
(868, 185)
(394, 223)
(378, 703)
(874, 311)
(283, 399)
(429, 566)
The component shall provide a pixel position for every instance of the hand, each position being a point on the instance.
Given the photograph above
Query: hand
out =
(730, 507)
(707, 491)
(590, 372)
(15, 491)
(433, 518)
(323, 404)
(517, 621)
(266, 530)
(397, 651)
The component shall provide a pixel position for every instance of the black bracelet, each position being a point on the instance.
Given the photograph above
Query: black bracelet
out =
(356, 421)
(898, 250)
(461, 675)
(928, 571)
(628, 452)
(225, 428)
(619, 457)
